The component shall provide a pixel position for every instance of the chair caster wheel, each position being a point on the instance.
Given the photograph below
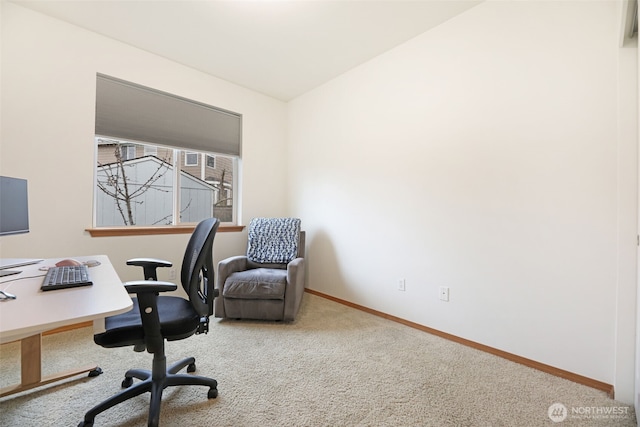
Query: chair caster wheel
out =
(85, 424)
(213, 393)
(191, 367)
(126, 383)
(95, 372)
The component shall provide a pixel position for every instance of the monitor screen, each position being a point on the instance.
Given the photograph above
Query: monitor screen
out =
(14, 207)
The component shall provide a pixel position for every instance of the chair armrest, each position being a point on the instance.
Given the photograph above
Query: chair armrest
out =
(147, 286)
(141, 262)
(149, 266)
(147, 298)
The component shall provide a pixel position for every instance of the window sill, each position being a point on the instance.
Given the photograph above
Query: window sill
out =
(151, 231)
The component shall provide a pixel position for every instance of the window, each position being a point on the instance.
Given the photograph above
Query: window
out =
(147, 169)
(127, 152)
(191, 159)
(211, 161)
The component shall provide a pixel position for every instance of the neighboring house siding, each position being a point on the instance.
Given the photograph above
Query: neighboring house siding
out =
(106, 153)
(206, 173)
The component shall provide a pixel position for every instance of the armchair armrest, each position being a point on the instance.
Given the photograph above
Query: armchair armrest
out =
(149, 266)
(295, 290)
(228, 266)
(294, 269)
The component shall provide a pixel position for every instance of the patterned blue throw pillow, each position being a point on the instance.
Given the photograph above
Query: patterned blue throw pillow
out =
(273, 240)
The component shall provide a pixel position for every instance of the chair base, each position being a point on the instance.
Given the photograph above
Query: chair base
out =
(154, 381)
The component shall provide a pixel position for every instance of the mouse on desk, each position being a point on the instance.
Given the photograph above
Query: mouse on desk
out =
(68, 262)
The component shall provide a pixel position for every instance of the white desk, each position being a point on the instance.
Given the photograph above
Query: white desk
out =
(34, 312)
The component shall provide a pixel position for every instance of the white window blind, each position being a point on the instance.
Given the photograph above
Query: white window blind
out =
(133, 112)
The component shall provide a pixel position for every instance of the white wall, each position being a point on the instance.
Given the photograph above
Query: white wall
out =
(481, 156)
(48, 102)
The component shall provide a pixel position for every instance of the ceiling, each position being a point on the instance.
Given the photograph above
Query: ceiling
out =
(280, 48)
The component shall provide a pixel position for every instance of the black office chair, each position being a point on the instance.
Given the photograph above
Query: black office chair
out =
(163, 317)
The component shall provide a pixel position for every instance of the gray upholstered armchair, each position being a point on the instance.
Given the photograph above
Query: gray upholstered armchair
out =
(268, 282)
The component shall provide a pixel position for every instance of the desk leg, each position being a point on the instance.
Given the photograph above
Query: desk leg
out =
(31, 367)
(30, 357)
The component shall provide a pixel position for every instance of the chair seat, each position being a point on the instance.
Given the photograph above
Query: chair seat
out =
(257, 283)
(178, 320)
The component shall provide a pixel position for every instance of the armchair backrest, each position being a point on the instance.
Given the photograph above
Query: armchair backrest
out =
(197, 274)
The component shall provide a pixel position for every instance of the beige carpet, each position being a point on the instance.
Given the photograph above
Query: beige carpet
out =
(334, 366)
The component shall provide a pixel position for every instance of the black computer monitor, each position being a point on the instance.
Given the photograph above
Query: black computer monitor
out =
(14, 206)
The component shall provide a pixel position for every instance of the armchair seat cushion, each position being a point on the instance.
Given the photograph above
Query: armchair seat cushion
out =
(257, 283)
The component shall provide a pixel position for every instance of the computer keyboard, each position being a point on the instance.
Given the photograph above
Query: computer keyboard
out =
(66, 277)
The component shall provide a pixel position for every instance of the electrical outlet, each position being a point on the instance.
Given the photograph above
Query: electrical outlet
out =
(444, 293)
(402, 285)
(172, 274)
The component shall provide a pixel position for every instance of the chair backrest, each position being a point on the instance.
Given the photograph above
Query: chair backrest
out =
(197, 274)
(273, 242)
